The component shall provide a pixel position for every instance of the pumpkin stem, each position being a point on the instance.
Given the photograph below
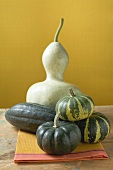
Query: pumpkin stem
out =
(58, 30)
(71, 93)
(56, 120)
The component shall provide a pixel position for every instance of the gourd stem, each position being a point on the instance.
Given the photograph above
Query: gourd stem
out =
(71, 92)
(56, 120)
(58, 30)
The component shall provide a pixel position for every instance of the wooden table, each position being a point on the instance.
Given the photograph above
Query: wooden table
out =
(8, 138)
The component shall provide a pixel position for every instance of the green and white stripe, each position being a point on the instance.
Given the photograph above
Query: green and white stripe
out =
(95, 128)
(75, 108)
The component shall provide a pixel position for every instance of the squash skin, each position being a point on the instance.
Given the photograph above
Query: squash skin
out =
(28, 116)
(75, 108)
(58, 140)
(95, 128)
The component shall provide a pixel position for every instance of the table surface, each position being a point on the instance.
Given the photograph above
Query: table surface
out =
(8, 138)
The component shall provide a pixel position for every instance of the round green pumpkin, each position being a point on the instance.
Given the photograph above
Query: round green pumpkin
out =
(95, 128)
(75, 107)
(58, 139)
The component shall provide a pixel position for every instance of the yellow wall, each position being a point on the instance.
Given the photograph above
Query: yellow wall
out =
(28, 26)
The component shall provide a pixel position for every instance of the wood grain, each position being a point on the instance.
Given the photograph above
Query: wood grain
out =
(8, 138)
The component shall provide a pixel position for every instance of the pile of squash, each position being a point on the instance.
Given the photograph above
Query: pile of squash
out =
(58, 113)
(94, 126)
(59, 130)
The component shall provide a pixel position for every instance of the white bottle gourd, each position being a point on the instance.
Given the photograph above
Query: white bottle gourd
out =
(55, 61)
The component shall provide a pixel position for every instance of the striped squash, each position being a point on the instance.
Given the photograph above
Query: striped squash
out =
(95, 128)
(75, 107)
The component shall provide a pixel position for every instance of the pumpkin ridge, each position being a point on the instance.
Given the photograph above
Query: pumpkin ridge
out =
(84, 108)
(91, 104)
(85, 105)
(102, 117)
(45, 140)
(62, 110)
(79, 115)
(74, 131)
(42, 134)
(86, 132)
(74, 110)
(68, 111)
(58, 141)
(107, 127)
(98, 134)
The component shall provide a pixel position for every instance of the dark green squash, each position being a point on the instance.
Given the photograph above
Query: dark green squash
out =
(58, 138)
(28, 116)
(95, 128)
(75, 107)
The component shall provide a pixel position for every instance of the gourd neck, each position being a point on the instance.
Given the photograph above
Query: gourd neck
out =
(56, 77)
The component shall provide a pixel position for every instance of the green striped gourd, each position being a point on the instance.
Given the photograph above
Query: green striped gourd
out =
(75, 107)
(95, 128)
